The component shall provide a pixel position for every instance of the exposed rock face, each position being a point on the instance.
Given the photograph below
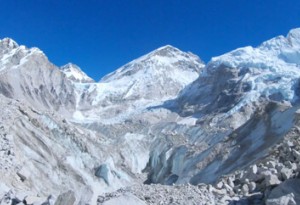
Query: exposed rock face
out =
(164, 119)
(27, 75)
(67, 198)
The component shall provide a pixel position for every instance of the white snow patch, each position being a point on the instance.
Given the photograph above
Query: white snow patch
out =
(78, 116)
(188, 121)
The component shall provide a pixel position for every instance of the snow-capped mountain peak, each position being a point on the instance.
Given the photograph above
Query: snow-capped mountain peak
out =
(163, 59)
(74, 73)
(169, 54)
(8, 43)
(14, 56)
(148, 80)
(160, 73)
(166, 50)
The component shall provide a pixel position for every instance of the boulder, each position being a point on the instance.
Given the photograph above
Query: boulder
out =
(296, 154)
(245, 189)
(230, 182)
(253, 169)
(35, 200)
(252, 186)
(291, 165)
(23, 174)
(279, 167)
(286, 173)
(219, 185)
(67, 198)
(271, 164)
(228, 188)
(271, 180)
(288, 143)
(252, 173)
(263, 172)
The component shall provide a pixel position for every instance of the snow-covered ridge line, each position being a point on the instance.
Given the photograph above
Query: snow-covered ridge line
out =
(9, 44)
(277, 58)
(271, 70)
(276, 50)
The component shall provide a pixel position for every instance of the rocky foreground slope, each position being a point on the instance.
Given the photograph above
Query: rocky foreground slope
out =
(163, 129)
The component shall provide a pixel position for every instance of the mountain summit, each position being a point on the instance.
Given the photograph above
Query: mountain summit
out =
(8, 43)
(164, 59)
(74, 73)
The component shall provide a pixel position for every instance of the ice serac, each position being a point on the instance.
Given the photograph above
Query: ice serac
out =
(244, 75)
(75, 74)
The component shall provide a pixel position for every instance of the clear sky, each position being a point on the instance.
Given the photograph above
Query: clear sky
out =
(102, 35)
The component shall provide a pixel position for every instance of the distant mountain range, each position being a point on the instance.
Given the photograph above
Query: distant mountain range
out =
(165, 118)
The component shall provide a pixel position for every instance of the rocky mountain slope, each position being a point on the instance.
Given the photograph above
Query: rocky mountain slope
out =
(27, 75)
(160, 126)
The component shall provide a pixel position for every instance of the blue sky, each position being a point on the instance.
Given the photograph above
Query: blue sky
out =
(102, 35)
